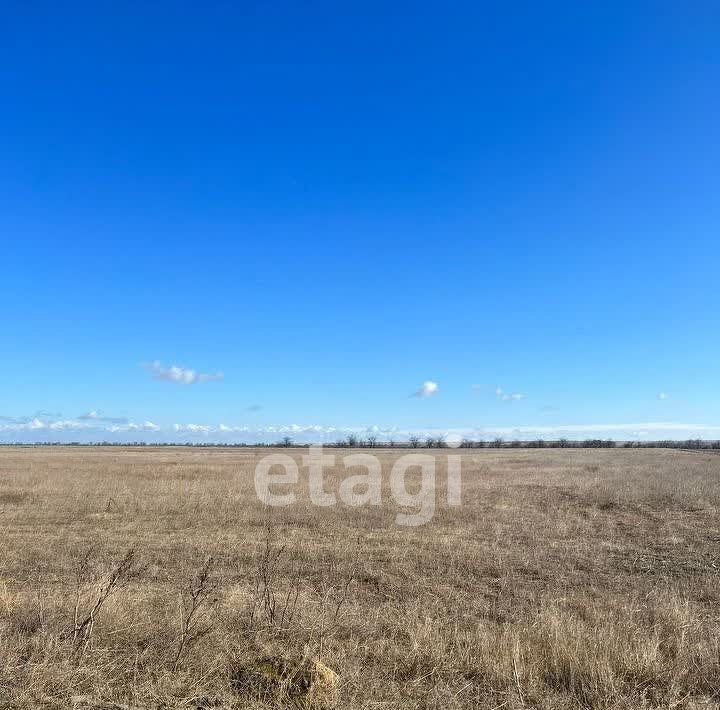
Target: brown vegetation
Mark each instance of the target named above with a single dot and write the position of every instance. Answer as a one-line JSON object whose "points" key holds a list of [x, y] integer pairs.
{"points": [[154, 578]]}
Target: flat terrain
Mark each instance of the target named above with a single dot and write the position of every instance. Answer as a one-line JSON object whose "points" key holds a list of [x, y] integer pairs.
{"points": [[566, 579]]}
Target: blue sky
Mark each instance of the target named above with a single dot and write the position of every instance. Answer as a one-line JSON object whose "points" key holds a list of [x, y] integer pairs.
{"points": [[320, 207]]}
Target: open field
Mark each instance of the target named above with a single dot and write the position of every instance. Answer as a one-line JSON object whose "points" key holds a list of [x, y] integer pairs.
{"points": [[567, 578]]}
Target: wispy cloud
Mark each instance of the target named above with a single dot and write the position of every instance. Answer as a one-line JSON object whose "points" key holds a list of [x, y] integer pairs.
{"points": [[499, 392], [663, 395], [179, 375], [508, 396], [93, 430], [12, 420], [40, 414], [145, 426], [426, 389], [97, 416], [199, 428]]}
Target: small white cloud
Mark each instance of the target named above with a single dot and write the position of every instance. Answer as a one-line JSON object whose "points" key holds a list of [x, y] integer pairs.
{"points": [[95, 416], [194, 428], [179, 375], [65, 425], [663, 395], [508, 396], [427, 389]]}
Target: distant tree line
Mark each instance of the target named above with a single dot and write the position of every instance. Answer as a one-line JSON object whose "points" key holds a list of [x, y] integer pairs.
{"points": [[354, 441], [439, 442]]}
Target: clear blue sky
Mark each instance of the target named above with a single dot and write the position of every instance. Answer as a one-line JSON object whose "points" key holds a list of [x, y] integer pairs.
{"points": [[333, 203]]}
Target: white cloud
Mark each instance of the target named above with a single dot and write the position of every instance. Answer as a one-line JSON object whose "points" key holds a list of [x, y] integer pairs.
{"points": [[65, 425], [132, 426], [427, 389], [66, 430], [179, 375], [508, 396], [195, 428], [96, 416], [618, 431], [663, 395]]}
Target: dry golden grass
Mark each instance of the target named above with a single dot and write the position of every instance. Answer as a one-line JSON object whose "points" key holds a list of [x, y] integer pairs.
{"points": [[567, 579]]}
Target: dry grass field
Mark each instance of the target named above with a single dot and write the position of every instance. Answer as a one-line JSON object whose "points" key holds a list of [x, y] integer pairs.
{"points": [[567, 579]]}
